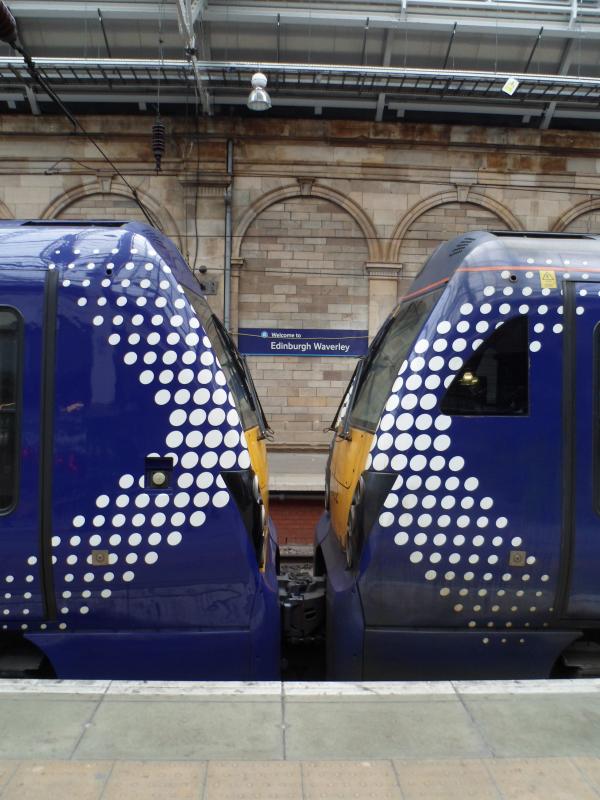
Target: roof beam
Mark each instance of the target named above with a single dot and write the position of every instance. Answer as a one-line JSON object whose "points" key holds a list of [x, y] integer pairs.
{"points": [[441, 18], [566, 60], [187, 13], [386, 59], [186, 23], [493, 17], [32, 100], [63, 8]]}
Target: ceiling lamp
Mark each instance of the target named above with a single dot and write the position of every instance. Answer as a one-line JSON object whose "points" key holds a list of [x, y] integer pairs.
{"points": [[259, 99]]}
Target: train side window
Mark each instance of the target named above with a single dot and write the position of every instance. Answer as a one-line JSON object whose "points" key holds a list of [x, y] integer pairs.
{"points": [[495, 380], [10, 347]]}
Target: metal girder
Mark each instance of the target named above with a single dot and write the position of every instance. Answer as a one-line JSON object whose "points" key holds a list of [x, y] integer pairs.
{"points": [[33, 103], [565, 63], [387, 57], [502, 17], [310, 85], [67, 10], [186, 23], [319, 78], [474, 17], [433, 107], [424, 106], [187, 12]]}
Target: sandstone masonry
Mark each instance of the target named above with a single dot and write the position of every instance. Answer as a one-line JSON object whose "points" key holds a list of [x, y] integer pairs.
{"points": [[331, 219]]}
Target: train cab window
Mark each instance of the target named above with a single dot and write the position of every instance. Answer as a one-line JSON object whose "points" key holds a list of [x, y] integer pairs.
{"points": [[239, 380], [10, 345], [386, 354], [495, 380]]}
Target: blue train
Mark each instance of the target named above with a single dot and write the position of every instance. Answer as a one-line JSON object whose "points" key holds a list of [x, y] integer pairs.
{"points": [[463, 485], [134, 528]]}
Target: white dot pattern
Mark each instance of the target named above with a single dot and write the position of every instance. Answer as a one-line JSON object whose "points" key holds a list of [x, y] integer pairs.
{"points": [[425, 525], [134, 525]]}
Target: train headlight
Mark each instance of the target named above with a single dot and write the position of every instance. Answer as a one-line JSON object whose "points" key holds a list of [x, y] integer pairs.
{"points": [[256, 489]]}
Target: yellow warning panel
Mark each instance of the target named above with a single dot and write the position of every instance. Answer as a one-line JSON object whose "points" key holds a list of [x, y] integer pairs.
{"points": [[548, 279]]}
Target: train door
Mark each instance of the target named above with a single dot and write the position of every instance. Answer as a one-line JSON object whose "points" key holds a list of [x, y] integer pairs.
{"points": [[25, 346], [581, 544]]}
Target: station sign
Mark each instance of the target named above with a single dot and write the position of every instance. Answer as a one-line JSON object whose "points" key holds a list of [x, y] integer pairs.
{"points": [[306, 342]]}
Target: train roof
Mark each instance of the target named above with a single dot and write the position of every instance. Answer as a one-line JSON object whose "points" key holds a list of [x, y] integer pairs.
{"points": [[39, 243], [506, 249]]}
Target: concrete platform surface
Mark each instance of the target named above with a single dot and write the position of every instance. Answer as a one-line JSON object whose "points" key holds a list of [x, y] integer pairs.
{"points": [[297, 472], [111, 739]]}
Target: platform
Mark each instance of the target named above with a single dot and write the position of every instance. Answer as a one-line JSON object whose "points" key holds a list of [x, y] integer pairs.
{"points": [[297, 472], [409, 741]]}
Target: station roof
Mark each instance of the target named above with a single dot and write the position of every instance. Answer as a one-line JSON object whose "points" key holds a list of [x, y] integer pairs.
{"points": [[425, 60]]}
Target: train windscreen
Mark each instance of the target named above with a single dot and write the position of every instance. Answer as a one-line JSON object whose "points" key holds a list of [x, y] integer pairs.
{"points": [[238, 380], [387, 352]]}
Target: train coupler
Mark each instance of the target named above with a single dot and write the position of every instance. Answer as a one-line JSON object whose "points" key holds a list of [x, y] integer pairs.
{"points": [[302, 601]]}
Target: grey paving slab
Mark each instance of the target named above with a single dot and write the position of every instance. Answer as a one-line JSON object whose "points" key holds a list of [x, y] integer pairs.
{"points": [[165, 780], [341, 780], [57, 780], [160, 730], [446, 780], [378, 729], [263, 780], [538, 725], [540, 779], [42, 726]]}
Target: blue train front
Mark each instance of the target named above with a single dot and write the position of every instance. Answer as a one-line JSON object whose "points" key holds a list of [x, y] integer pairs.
{"points": [[462, 537], [134, 534]]}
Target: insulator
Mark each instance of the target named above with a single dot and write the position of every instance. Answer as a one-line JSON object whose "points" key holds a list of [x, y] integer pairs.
{"points": [[8, 26], [159, 141]]}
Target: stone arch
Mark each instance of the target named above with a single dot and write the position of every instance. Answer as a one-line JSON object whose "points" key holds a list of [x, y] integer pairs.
{"points": [[456, 195], [302, 267], [587, 208], [110, 188], [308, 188]]}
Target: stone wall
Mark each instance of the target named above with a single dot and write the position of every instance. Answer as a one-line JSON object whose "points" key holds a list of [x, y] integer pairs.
{"points": [[304, 267], [331, 219]]}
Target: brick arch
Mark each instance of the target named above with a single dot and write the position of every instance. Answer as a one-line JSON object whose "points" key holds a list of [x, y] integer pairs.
{"points": [[442, 199], [162, 219], [572, 214], [362, 219]]}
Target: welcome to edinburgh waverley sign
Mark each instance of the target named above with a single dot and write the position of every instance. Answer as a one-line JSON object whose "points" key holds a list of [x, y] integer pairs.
{"points": [[307, 342]]}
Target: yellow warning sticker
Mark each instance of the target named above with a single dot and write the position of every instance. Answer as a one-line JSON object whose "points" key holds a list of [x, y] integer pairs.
{"points": [[548, 279]]}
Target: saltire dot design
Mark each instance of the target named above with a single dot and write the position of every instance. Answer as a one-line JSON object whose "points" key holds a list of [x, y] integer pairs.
{"points": [[438, 512], [142, 313]]}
